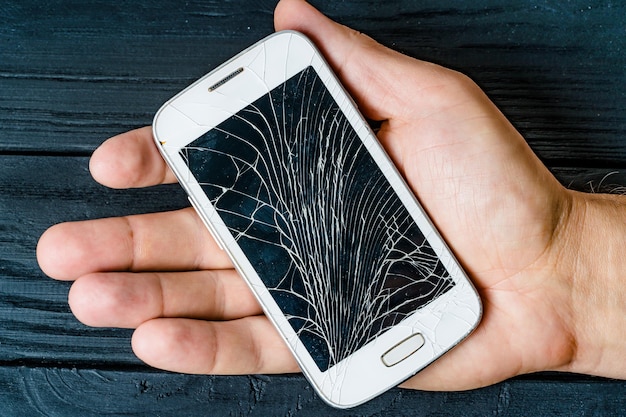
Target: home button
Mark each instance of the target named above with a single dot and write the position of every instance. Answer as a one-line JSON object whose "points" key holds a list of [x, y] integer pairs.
{"points": [[403, 350]]}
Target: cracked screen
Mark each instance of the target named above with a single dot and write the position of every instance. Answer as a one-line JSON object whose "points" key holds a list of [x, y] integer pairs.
{"points": [[317, 219]]}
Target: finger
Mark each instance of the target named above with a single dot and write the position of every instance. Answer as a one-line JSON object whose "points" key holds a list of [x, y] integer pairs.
{"points": [[374, 75], [245, 346], [172, 241], [130, 160], [130, 299]]}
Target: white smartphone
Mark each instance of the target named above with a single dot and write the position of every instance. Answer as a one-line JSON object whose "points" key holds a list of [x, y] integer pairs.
{"points": [[295, 187]]}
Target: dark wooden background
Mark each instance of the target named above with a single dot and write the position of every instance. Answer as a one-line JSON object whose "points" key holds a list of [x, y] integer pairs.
{"points": [[73, 73]]}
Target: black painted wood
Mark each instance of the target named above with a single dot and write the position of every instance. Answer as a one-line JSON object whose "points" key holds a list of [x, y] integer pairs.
{"points": [[89, 392], [73, 73]]}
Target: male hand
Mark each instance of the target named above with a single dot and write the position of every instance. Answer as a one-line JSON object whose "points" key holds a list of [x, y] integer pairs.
{"points": [[506, 218]]}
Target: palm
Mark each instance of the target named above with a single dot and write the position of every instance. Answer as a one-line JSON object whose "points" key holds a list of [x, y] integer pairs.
{"points": [[493, 202], [484, 189]]}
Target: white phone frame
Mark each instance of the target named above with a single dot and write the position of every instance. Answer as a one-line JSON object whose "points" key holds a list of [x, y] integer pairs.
{"points": [[443, 323]]}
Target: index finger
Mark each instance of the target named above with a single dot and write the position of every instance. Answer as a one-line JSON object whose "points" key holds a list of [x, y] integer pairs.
{"points": [[130, 160]]}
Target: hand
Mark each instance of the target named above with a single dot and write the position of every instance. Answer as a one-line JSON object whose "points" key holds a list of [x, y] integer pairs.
{"points": [[509, 222]]}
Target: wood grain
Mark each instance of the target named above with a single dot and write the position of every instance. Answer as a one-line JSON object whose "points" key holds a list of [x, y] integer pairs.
{"points": [[74, 73], [89, 392]]}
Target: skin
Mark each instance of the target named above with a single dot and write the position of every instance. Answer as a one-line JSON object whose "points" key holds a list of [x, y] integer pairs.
{"points": [[545, 260]]}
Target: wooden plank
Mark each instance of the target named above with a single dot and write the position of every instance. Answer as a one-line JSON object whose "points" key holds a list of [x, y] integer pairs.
{"points": [[38, 191], [72, 76], [93, 392], [38, 329]]}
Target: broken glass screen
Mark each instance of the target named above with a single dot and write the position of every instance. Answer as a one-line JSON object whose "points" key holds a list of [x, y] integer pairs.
{"points": [[316, 218]]}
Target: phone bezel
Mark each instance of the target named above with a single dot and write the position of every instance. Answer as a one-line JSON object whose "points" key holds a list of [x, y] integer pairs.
{"points": [[443, 323]]}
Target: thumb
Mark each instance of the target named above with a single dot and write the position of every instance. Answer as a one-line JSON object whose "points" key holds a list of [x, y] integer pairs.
{"points": [[368, 70]]}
